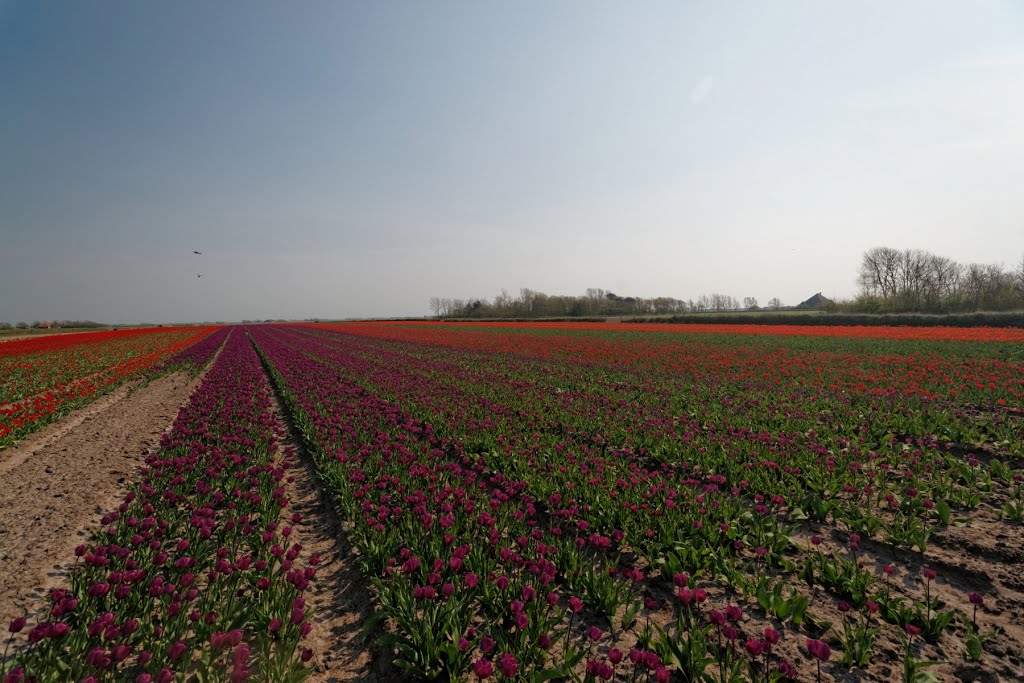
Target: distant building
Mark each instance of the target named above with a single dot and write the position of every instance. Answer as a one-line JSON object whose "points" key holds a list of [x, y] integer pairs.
{"points": [[816, 302]]}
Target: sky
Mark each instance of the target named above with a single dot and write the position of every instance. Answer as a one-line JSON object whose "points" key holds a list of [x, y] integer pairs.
{"points": [[342, 159]]}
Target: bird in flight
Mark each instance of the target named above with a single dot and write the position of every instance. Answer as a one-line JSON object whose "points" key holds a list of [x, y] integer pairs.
{"points": [[200, 275], [197, 252]]}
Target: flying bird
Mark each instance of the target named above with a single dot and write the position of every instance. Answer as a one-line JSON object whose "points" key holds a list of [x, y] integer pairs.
{"points": [[197, 252], [200, 275]]}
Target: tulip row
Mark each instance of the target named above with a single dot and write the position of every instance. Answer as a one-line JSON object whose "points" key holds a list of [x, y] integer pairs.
{"points": [[474, 573], [45, 377], [937, 333], [554, 458], [628, 429], [195, 357], [194, 576]]}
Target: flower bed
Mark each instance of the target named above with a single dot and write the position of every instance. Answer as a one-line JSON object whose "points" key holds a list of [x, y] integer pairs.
{"points": [[193, 574]]}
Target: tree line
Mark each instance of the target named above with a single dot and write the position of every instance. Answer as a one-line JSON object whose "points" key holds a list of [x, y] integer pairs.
{"points": [[888, 280], [595, 302], [42, 325], [914, 280]]}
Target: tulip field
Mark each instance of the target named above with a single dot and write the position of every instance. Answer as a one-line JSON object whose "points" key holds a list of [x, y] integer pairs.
{"points": [[42, 378], [567, 502]]}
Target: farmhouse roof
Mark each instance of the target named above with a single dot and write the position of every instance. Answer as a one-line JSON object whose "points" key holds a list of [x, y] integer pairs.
{"points": [[817, 301]]}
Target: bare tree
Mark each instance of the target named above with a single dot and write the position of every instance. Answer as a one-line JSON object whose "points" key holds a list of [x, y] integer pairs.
{"points": [[447, 307], [915, 280], [879, 272], [526, 299], [943, 281], [666, 304], [503, 302], [775, 303]]}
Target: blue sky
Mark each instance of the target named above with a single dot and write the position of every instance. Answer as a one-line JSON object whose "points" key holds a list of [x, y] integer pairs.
{"points": [[336, 159]]}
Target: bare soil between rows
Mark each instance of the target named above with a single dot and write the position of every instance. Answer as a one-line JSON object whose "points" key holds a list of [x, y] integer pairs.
{"points": [[60, 480], [339, 594], [984, 557]]}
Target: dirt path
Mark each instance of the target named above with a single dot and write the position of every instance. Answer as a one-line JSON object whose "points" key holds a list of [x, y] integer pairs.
{"points": [[57, 481], [338, 594]]}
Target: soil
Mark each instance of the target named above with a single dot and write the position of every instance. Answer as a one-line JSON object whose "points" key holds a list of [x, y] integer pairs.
{"points": [[984, 557], [58, 481], [341, 601]]}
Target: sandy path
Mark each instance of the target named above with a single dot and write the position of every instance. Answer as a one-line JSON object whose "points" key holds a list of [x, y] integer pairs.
{"points": [[60, 479]]}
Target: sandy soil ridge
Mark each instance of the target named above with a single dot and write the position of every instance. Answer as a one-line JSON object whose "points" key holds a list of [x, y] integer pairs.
{"points": [[339, 595], [60, 479]]}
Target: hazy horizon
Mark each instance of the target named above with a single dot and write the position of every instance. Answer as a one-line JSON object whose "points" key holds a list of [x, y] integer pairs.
{"points": [[337, 160]]}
